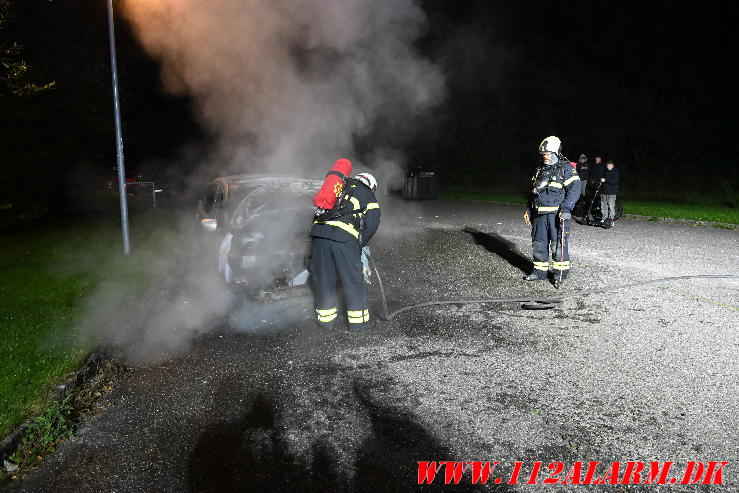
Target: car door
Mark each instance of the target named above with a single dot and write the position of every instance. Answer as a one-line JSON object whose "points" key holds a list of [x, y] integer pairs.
{"points": [[212, 207], [211, 203]]}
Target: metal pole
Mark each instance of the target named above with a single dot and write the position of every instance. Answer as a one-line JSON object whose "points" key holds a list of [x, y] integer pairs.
{"points": [[118, 133]]}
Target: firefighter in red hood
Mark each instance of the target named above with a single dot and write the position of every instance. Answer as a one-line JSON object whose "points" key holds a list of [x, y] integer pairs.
{"points": [[337, 238]]}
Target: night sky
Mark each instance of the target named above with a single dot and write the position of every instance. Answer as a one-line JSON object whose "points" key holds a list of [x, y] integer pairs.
{"points": [[649, 84]]}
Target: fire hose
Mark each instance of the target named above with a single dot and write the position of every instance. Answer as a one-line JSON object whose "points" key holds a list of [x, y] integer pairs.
{"points": [[531, 302]]}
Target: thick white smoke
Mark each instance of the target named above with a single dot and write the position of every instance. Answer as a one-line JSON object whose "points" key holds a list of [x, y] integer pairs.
{"points": [[284, 86], [287, 85]]}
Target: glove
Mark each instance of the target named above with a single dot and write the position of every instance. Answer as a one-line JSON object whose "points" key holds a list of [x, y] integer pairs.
{"points": [[565, 215], [367, 274], [527, 217]]}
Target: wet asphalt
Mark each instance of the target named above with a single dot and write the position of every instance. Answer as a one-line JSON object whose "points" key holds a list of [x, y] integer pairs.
{"points": [[643, 373]]}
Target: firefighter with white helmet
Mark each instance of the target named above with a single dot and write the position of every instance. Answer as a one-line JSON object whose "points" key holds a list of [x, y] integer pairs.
{"points": [[368, 180], [338, 239], [556, 188]]}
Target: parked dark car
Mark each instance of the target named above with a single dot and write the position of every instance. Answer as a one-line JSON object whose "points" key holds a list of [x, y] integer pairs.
{"points": [[262, 223]]}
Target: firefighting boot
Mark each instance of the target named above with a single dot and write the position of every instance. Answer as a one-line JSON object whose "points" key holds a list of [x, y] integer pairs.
{"points": [[559, 278], [328, 326], [536, 276], [362, 327], [539, 272]]}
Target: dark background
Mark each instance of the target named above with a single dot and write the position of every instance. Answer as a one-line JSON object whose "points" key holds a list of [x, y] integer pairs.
{"points": [[651, 85]]}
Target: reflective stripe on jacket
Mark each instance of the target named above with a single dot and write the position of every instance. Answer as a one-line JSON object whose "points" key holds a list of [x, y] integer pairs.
{"points": [[359, 224], [560, 190]]}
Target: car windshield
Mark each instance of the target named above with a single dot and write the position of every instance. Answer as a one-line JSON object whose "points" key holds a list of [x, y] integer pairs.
{"points": [[271, 204]]}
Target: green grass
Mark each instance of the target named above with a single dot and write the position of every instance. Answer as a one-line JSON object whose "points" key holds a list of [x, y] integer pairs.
{"points": [[710, 211], [45, 275], [53, 425], [718, 213]]}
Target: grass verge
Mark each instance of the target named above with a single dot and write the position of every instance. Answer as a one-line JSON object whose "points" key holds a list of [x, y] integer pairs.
{"points": [[699, 211], [59, 419], [45, 275], [718, 213]]}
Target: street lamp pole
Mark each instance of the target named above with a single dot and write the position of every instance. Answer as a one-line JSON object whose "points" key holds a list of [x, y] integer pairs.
{"points": [[118, 133]]}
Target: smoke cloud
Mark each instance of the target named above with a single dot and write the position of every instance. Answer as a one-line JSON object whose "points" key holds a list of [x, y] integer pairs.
{"points": [[283, 87], [289, 85]]}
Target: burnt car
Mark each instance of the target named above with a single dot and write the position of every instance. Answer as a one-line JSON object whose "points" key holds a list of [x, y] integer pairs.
{"points": [[262, 224]]}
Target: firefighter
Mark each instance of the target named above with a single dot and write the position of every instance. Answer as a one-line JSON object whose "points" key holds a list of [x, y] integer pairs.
{"points": [[337, 240], [556, 188]]}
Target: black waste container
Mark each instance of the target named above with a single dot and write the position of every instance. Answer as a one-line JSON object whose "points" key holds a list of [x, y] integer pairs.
{"points": [[420, 184]]}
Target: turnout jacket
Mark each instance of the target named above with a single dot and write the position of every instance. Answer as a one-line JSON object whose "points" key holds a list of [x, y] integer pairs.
{"points": [[360, 219], [554, 187]]}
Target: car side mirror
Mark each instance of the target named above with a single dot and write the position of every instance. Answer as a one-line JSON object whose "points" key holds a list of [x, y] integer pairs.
{"points": [[209, 224]]}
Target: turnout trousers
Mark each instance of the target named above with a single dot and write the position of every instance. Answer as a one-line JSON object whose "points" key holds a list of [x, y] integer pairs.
{"points": [[546, 237], [331, 260]]}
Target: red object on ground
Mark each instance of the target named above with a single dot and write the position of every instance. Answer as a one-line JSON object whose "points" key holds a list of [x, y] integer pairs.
{"points": [[332, 185]]}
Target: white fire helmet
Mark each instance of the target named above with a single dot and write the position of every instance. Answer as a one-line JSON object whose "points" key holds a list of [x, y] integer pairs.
{"points": [[550, 144], [368, 180]]}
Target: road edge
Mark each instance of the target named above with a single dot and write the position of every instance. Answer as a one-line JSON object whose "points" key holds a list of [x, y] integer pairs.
{"points": [[74, 380]]}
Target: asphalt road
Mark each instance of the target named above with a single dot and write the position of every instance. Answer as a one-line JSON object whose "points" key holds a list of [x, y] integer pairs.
{"points": [[647, 373]]}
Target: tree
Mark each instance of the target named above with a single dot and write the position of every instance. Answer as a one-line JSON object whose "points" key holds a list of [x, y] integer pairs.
{"points": [[13, 69]]}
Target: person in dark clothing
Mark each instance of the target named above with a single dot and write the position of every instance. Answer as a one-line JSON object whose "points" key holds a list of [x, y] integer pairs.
{"points": [[609, 189], [337, 240], [597, 170], [582, 172], [556, 188]]}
